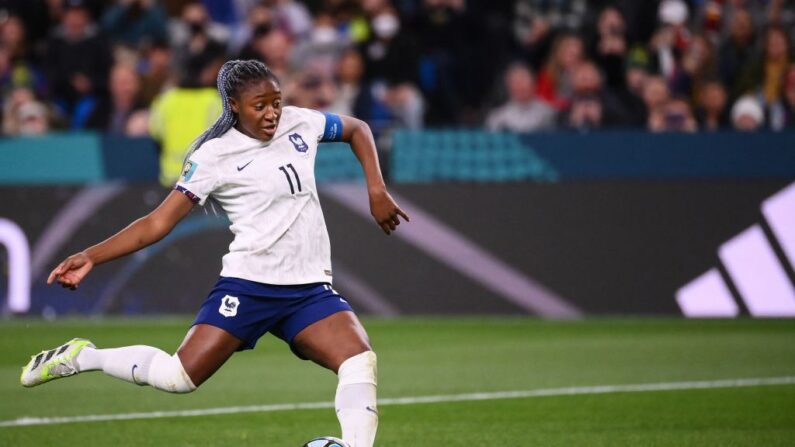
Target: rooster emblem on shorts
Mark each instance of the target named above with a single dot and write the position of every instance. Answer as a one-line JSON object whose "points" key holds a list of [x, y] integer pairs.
{"points": [[229, 306]]}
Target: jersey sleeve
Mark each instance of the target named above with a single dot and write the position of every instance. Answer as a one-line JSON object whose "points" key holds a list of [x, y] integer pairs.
{"points": [[327, 126], [199, 177], [332, 128]]}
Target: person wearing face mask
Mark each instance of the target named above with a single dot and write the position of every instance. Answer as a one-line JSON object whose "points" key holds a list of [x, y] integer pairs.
{"points": [[391, 70], [195, 35], [390, 54], [201, 43]]}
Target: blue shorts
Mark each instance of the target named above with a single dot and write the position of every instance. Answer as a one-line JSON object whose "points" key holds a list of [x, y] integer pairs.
{"points": [[248, 309]]}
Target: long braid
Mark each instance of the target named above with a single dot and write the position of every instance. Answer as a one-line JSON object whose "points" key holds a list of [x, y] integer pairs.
{"points": [[233, 75]]}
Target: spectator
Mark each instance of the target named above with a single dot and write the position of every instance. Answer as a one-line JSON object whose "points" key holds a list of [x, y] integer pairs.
{"points": [[554, 80], [181, 114], [371, 8], [33, 119], [672, 38], [414, 60], [131, 21], [655, 95], [709, 16], [313, 90], [592, 106], [609, 46], [275, 49], [78, 60], [712, 111], [322, 49], [391, 70], [13, 36], [112, 114], [157, 68], [631, 94], [294, 17], [787, 119], [767, 72], [697, 65], [350, 21], [747, 114], [24, 115], [737, 50], [391, 54], [523, 112], [16, 68], [405, 103], [197, 39], [537, 21], [259, 21], [674, 115], [350, 91], [641, 18], [782, 13], [358, 98], [446, 38], [195, 20]]}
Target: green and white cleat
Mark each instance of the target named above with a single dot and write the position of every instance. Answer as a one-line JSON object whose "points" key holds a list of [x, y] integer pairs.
{"points": [[53, 364]]}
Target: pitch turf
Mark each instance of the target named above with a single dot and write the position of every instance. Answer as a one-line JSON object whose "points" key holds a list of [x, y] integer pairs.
{"points": [[436, 357]]}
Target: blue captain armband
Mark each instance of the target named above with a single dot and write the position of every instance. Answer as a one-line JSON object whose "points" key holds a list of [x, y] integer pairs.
{"points": [[333, 129]]}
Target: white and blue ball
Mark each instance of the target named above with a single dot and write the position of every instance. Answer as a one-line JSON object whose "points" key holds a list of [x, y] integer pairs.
{"points": [[326, 441]]}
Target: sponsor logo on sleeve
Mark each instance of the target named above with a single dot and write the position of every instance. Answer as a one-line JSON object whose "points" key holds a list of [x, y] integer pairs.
{"points": [[188, 170]]}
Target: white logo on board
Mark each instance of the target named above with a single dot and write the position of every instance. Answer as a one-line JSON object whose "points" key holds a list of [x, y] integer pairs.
{"points": [[752, 265]]}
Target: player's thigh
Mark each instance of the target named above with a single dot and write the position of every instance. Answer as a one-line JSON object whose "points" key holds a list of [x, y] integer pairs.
{"points": [[332, 340], [205, 349]]}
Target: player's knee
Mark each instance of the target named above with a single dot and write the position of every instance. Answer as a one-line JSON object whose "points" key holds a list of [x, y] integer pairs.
{"points": [[360, 368], [167, 373]]}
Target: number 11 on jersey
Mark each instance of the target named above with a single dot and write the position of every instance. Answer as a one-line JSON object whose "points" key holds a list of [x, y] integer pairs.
{"points": [[290, 180]]}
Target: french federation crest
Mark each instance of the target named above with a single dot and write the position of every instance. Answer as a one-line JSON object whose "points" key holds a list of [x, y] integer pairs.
{"points": [[298, 142], [229, 305]]}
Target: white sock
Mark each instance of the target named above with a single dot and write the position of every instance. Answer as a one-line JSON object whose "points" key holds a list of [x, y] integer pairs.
{"points": [[355, 401], [142, 365]]}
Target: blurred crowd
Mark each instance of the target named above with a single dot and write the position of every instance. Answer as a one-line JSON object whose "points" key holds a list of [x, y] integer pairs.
{"points": [[148, 67]]}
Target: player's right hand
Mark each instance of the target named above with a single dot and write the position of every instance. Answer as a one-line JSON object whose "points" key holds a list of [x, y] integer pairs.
{"points": [[71, 271]]}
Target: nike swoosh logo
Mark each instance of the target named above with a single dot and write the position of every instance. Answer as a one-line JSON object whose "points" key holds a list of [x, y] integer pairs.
{"points": [[133, 374], [371, 409], [240, 168]]}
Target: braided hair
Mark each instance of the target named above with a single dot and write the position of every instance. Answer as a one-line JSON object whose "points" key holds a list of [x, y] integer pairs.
{"points": [[231, 78]]}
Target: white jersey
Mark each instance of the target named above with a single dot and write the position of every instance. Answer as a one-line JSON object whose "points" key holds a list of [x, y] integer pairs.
{"points": [[268, 191]]}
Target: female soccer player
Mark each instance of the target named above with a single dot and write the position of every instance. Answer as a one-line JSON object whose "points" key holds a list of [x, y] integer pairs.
{"points": [[257, 163]]}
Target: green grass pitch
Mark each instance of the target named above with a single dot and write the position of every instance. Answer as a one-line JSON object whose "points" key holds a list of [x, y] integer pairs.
{"points": [[422, 357]]}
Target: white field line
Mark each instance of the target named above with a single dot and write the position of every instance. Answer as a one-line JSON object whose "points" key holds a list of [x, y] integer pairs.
{"points": [[570, 391]]}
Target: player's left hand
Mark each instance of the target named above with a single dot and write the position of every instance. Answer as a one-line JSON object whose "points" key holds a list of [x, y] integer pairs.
{"points": [[385, 211]]}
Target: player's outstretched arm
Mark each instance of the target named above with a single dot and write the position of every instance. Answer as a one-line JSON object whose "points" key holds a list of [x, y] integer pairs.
{"points": [[383, 208], [139, 234]]}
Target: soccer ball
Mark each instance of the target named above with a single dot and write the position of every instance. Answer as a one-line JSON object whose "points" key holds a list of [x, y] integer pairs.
{"points": [[326, 441]]}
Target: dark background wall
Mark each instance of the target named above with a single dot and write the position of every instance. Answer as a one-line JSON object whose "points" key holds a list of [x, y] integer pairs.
{"points": [[620, 247]]}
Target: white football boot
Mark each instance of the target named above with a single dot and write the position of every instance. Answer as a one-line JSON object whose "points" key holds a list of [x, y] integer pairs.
{"points": [[54, 363]]}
